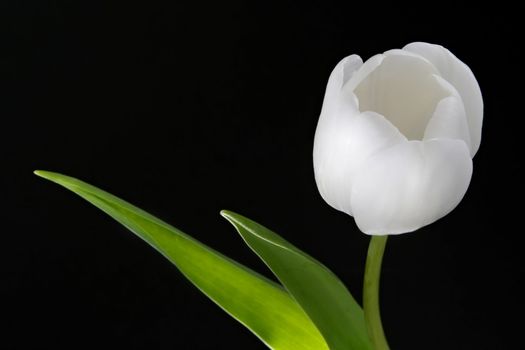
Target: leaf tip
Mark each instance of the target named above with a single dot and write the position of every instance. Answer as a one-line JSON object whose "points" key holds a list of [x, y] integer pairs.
{"points": [[225, 213], [42, 173], [232, 217], [57, 178], [228, 215]]}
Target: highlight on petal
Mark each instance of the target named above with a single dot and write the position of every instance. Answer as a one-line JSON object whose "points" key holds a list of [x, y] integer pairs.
{"points": [[341, 148], [461, 77], [410, 185]]}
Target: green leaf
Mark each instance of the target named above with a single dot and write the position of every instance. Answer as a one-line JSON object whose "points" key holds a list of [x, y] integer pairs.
{"points": [[319, 292], [261, 305]]}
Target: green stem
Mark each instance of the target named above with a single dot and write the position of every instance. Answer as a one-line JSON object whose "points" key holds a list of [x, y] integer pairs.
{"points": [[371, 292]]}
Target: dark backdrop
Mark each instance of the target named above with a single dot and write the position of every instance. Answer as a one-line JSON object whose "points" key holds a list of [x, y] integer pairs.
{"points": [[186, 108]]}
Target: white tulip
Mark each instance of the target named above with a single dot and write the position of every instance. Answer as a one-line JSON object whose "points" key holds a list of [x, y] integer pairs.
{"points": [[396, 136]]}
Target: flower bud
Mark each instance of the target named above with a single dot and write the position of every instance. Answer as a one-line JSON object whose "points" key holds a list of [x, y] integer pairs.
{"points": [[396, 136]]}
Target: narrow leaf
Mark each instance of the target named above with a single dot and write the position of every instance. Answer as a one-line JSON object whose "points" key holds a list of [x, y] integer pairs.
{"points": [[261, 305], [319, 292]]}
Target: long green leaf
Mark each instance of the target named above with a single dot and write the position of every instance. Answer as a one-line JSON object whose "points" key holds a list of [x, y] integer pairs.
{"points": [[319, 292], [261, 305]]}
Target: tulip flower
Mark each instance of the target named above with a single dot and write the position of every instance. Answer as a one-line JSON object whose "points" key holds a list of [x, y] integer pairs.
{"points": [[396, 136]]}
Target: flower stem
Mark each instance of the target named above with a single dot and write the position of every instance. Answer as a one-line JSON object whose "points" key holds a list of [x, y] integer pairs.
{"points": [[371, 292]]}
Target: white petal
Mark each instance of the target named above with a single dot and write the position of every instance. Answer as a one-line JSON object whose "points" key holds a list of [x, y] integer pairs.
{"points": [[334, 111], [368, 67], [459, 75], [340, 149], [410, 185], [342, 72], [449, 119]]}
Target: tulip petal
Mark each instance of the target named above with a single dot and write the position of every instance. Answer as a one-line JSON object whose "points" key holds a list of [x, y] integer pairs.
{"points": [[341, 148], [363, 72], [459, 75], [449, 119], [342, 72], [410, 185]]}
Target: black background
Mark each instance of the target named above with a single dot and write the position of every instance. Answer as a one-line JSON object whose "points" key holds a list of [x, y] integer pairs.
{"points": [[186, 108]]}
